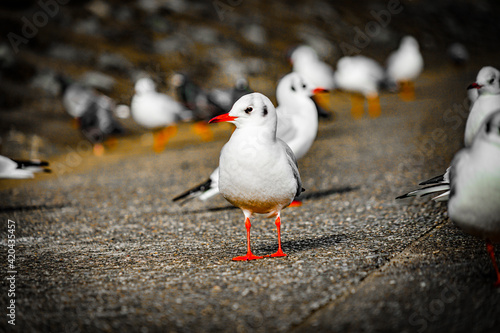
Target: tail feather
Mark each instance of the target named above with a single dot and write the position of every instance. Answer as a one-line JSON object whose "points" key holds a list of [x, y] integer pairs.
{"points": [[434, 180], [33, 165], [440, 187], [194, 192]]}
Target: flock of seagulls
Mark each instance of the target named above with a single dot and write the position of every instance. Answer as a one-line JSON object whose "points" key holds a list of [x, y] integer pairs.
{"points": [[258, 169]]}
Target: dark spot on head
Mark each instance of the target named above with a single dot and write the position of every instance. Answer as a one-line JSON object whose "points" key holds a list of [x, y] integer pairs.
{"points": [[248, 110], [264, 112], [293, 88], [488, 126]]}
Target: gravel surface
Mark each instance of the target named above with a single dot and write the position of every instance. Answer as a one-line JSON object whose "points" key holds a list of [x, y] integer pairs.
{"points": [[100, 245]]}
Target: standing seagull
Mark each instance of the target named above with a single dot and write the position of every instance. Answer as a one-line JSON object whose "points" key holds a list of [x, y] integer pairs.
{"points": [[297, 126], [486, 103], [156, 111], [404, 65], [307, 64], [258, 172], [474, 203], [361, 75], [473, 184]]}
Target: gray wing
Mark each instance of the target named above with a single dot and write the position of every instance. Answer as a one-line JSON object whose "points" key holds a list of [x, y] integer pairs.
{"points": [[456, 163], [292, 161]]}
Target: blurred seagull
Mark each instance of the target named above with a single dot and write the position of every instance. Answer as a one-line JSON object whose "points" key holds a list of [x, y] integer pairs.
{"points": [[297, 126], [224, 99], [458, 54], [156, 111], [306, 63], [92, 113], [404, 65], [258, 172], [204, 104], [98, 124], [361, 75], [20, 169]]}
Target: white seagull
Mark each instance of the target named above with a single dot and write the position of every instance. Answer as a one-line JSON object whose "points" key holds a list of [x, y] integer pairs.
{"points": [[488, 102], [258, 172], [297, 126], [156, 111], [474, 203], [306, 63], [473, 181], [404, 65], [487, 86], [361, 75], [17, 169]]}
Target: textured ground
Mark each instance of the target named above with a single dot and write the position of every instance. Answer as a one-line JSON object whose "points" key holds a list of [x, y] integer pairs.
{"points": [[101, 247]]}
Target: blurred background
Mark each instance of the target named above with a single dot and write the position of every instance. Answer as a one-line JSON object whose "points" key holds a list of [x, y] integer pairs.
{"points": [[109, 44]]}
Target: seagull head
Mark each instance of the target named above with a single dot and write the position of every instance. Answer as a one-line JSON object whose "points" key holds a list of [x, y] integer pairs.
{"points": [[144, 85], [409, 42], [303, 53], [250, 110], [487, 81], [293, 85]]}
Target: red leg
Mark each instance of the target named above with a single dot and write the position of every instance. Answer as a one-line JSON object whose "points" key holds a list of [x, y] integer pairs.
{"points": [[278, 253], [249, 255], [295, 203], [491, 251]]}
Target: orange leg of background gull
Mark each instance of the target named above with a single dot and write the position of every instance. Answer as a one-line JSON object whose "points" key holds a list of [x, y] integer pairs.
{"points": [[491, 251], [278, 253], [160, 139], [249, 255], [323, 99], [202, 129], [98, 149], [407, 91], [295, 203], [357, 105], [373, 105]]}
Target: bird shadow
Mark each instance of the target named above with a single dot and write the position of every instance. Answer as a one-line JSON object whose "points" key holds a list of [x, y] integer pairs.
{"points": [[305, 196], [300, 245], [30, 208], [324, 193]]}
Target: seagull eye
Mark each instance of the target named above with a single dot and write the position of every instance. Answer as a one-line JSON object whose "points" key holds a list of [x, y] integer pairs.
{"points": [[248, 109], [304, 85], [293, 88], [491, 80]]}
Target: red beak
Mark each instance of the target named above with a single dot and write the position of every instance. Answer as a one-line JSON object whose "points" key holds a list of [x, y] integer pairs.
{"points": [[319, 91], [221, 118], [474, 86]]}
